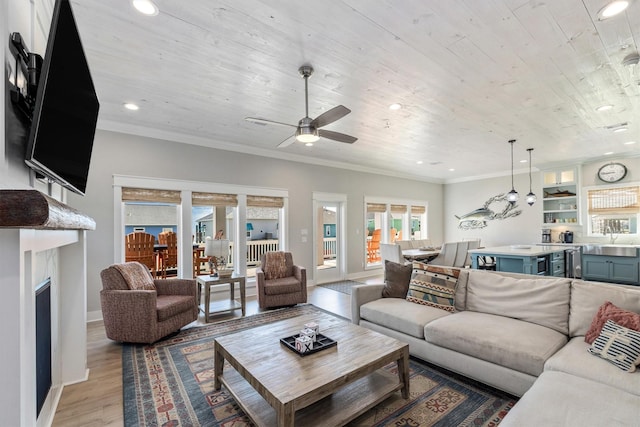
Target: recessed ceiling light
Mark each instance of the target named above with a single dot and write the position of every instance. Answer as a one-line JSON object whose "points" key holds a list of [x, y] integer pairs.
{"points": [[146, 7], [629, 143], [612, 9], [131, 106], [605, 107], [523, 161], [608, 153], [395, 106], [451, 169], [308, 144], [419, 162], [620, 130]]}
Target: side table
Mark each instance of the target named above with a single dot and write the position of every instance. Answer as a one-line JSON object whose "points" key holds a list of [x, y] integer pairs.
{"points": [[209, 308]]}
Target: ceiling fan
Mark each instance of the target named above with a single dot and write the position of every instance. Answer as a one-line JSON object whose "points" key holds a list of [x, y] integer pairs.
{"points": [[308, 129]]}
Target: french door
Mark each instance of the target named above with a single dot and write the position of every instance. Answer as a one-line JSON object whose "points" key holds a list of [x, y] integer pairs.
{"points": [[329, 247]]}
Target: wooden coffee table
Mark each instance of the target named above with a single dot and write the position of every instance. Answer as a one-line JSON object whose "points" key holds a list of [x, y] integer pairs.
{"points": [[275, 386]]}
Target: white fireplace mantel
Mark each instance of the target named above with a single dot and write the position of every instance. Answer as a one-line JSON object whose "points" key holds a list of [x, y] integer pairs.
{"points": [[31, 253]]}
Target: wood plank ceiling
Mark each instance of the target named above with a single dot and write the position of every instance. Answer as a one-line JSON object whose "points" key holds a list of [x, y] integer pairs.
{"points": [[469, 74]]}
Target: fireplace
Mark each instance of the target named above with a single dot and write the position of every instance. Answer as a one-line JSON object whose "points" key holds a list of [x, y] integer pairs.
{"points": [[43, 343]]}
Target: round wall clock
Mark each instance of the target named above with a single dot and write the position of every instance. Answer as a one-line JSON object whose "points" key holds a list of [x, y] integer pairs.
{"points": [[612, 172]]}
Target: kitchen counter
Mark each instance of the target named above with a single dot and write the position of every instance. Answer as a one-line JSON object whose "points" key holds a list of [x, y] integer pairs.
{"points": [[520, 250], [527, 259]]}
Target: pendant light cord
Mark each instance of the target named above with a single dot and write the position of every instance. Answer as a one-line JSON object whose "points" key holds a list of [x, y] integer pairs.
{"points": [[511, 142], [530, 150]]}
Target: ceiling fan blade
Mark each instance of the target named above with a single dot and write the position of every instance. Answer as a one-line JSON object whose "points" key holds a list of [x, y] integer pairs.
{"points": [[337, 136], [287, 142], [267, 122], [330, 116]]}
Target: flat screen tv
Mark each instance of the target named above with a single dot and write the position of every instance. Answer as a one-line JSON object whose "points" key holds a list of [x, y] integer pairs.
{"points": [[66, 107]]}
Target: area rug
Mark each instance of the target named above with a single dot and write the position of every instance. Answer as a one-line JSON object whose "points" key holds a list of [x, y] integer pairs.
{"points": [[170, 383], [343, 286]]}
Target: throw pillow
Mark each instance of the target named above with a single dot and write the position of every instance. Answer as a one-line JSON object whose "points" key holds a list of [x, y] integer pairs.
{"points": [[433, 285], [396, 279], [608, 311], [618, 345], [137, 276], [276, 265]]}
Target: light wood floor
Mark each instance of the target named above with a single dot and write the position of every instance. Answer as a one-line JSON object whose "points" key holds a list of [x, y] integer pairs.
{"points": [[98, 401]]}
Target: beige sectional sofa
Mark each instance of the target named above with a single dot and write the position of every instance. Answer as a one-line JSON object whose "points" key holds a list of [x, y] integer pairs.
{"points": [[519, 333]]}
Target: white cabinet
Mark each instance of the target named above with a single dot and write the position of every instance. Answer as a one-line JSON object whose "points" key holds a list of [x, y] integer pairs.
{"points": [[560, 199]]}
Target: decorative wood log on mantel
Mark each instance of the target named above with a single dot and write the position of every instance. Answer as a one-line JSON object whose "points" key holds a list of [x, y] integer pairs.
{"points": [[33, 209]]}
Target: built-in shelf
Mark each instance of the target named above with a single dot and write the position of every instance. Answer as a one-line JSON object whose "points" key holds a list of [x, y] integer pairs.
{"points": [[33, 209]]}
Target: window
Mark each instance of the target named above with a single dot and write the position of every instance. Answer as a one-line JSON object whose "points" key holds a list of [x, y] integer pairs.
{"points": [[613, 210], [388, 221]]}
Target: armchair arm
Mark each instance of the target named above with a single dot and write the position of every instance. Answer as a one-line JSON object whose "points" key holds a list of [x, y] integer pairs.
{"points": [[259, 276], [176, 286], [300, 273], [362, 294]]}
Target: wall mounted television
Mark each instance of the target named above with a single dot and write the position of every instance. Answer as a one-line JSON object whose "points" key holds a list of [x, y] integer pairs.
{"points": [[66, 107]]}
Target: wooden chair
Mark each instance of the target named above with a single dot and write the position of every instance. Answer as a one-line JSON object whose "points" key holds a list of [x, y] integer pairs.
{"points": [[169, 257], [373, 246], [198, 260], [139, 247]]}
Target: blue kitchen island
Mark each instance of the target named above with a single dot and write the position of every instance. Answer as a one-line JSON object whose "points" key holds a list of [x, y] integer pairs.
{"points": [[528, 259]]}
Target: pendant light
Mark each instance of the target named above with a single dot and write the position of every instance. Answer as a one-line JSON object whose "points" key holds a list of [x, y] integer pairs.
{"points": [[512, 196], [531, 198]]}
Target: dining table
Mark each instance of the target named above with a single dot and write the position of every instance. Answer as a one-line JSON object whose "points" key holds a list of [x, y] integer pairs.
{"points": [[426, 254]]}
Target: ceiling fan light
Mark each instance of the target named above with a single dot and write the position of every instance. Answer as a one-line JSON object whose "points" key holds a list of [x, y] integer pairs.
{"points": [[146, 7], [307, 135], [612, 9]]}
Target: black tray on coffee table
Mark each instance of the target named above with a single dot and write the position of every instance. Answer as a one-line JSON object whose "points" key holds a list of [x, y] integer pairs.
{"points": [[322, 342]]}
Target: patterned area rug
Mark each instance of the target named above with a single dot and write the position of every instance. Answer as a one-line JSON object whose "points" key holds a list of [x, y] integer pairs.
{"points": [[170, 383], [343, 286]]}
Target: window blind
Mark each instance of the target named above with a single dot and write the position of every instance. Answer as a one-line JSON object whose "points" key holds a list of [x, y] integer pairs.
{"points": [[265, 201], [401, 209], [376, 207], [213, 199], [418, 210], [150, 195], [614, 200]]}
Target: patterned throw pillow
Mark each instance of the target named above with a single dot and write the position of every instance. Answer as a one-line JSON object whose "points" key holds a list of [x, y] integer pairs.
{"points": [[433, 285], [136, 275], [608, 311], [618, 345], [276, 265]]}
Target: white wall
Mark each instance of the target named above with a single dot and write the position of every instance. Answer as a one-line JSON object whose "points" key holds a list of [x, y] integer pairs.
{"points": [[464, 197], [121, 154]]}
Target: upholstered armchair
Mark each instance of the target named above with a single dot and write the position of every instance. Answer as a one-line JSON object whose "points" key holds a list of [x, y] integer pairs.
{"points": [[136, 308], [279, 281]]}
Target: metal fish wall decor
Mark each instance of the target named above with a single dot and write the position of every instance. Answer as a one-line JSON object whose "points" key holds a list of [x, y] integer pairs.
{"points": [[478, 218]]}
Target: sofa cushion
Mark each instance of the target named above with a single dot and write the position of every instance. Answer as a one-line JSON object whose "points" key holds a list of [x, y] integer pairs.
{"points": [[284, 285], [168, 306], [574, 359], [608, 311], [560, 399], [543, 301], [396, 279], [433, 285], [587, 297], [512, 343], [136, 276], [400, 315], [618, 345]]}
